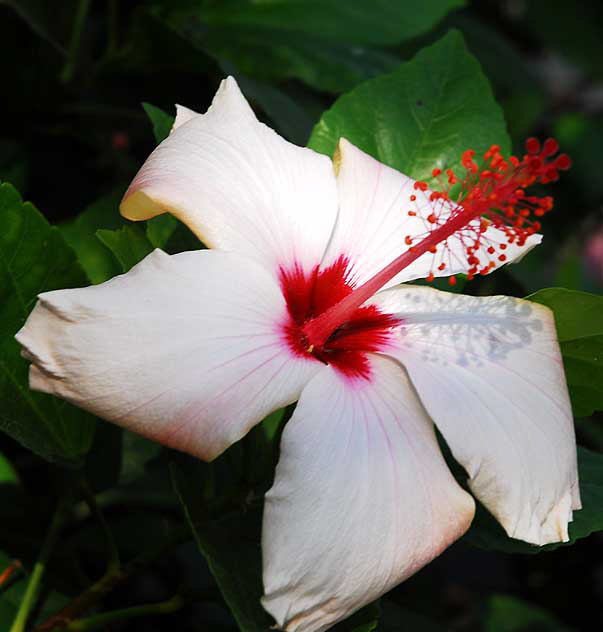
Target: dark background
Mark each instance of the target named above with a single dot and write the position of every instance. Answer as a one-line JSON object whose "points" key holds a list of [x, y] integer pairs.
{"points": [[73, 131]]}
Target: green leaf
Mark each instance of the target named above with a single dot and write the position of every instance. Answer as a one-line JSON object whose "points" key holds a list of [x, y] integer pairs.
{"points": [[34, 258], [579, 321], [508, 614], [167, 233], [326, 43], [162, 121], [137, 452], [231, 547], [160, 229], [486, 533], [422, 115], [7, 471], [96, 259], [129, 244], [382, 22]]}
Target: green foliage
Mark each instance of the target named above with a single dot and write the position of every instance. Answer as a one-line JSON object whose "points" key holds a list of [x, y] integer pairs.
{"points": [[486, 533], [12, 594], [329, 45], [384, 22], [422, 115], [34, 258], [94, 257], [508, 614], [162, 121], [77, 72], [129, 244], [231, 547], [7, 471], [579, 321]]}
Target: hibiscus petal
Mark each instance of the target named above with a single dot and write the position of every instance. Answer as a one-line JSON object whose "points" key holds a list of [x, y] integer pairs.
{"points": [[362, 498], [183, 115], [489, 372], [373, 222], [185, 350], [238, 185]]}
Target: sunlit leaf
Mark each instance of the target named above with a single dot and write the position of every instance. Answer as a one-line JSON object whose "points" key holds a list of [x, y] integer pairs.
{"points": [[422, 115]]}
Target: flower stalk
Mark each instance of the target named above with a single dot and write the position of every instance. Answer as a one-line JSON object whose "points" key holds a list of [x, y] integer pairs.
{"points": [[31, 592]]}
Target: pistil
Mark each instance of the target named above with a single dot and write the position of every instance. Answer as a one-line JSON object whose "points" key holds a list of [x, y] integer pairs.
{"points": [[318, 330], [491, 196]]}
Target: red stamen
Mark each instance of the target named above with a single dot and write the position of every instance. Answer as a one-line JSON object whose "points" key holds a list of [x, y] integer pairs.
{"points": [[496, 194]]}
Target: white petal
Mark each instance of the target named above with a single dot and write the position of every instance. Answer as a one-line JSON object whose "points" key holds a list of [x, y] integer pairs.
{"points": [[239, 186], [183, 115], [185, 350], [362, 498], [373, 222], [489, 372]]}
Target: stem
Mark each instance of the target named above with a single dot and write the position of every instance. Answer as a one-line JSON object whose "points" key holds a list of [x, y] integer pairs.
{"points": [[318, 330], [31, 592], [163, 607], [109, 581], [81, 12]]}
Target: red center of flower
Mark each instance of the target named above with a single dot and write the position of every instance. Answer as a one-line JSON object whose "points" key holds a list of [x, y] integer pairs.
{"points": [[309, 295]]}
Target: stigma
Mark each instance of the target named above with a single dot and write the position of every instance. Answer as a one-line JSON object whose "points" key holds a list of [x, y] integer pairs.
{"points": [[491, 194]]}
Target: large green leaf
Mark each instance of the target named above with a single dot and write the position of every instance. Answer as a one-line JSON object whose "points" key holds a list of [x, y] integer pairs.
{"points": [[380, 22], [422, 115], [328, 44], [486, 533], [34, 258], [579, 320]]}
